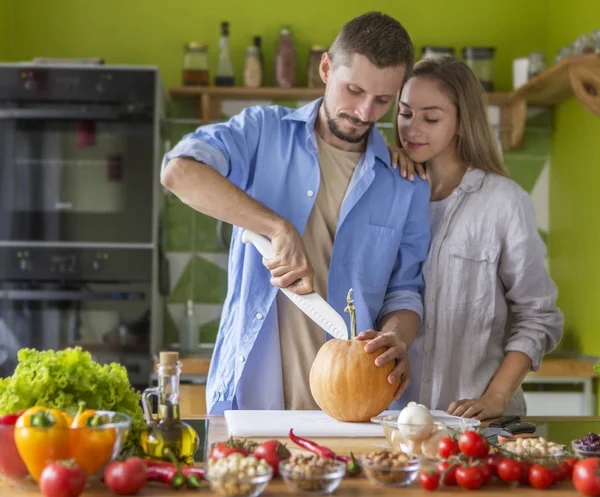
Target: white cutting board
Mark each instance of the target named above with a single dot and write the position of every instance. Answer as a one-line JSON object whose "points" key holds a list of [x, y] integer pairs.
{"points": [[305, 424]]}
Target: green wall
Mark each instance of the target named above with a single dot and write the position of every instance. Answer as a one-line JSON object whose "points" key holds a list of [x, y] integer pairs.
{"points": [[575, 202], [4, 30], [154, 32]]}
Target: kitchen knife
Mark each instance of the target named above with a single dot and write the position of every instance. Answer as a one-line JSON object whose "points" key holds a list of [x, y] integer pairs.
{"points": [[312, 304]]}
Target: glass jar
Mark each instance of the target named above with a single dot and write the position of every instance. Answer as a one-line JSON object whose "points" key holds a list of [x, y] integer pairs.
{"points": [[564, 53], [537, 63], [252, 68], [432, 51], [596, 40], [314, 62], [584, 45], [480, 60], [195, 65], [285, 61]]}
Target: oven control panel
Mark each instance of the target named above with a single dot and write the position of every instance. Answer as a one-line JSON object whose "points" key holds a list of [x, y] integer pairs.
{"points": [[83, 84], [81, 264]]}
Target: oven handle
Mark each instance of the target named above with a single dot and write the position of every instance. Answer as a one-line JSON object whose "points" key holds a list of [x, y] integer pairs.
{"points": [[67, 295], [96, 114]]}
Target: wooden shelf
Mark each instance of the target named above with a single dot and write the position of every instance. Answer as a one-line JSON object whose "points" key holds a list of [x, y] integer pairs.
{"points": [[578, 75]]}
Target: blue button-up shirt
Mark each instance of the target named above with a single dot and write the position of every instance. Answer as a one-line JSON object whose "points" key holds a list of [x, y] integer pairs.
{"points": [[381, 241]]}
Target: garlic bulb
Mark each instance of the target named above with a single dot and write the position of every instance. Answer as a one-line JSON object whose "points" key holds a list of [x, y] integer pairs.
{"points": [[415, 422]]}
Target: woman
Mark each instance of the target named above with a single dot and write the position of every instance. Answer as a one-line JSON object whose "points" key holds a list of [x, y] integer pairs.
{"points": [[490, 306]]}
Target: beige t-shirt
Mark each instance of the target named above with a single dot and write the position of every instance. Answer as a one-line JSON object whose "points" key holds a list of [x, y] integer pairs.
{"points": [[299, 336]]}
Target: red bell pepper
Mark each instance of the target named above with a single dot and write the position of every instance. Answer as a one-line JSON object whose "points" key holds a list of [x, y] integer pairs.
{"points": [[11, 464]]}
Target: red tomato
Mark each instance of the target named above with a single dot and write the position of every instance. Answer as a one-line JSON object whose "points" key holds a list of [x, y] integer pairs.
{"points": [[447, 448], [525, 465], [429, 480], [492, 461], [450, 478], [223, 449], [510, 470], [540, 476], [586, 476], [272, 451], [125, 477], [469, 477], [472, 444], [487, 473], [564, 469], [62, 479]]}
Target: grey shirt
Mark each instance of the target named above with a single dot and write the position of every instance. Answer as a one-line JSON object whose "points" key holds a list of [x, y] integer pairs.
{"points": [[487, 292]]}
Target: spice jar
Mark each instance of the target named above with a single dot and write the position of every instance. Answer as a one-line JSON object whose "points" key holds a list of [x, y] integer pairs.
{"points": [[480, 60], [314, 62], [285, 62], [195, 65], [584, 45], [252, 68], [537, 63], [432, 51]]}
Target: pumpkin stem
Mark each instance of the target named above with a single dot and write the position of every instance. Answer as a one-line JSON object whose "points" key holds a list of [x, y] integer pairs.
{"points": [[352, 310]]}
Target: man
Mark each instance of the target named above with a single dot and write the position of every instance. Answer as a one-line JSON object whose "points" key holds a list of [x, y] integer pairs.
{"points": [[317, 182]]}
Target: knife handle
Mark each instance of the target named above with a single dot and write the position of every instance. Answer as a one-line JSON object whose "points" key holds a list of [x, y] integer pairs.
{"points": [[504, 421], [262, 244]]}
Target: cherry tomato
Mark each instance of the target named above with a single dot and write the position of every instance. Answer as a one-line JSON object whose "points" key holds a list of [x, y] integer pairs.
{"points": [[540, 476], [492, 461], [563, 471], [62, 479], [447, 448], [429, 480], [272, 451], [223, 449], [510, 470], [126, 477], [472, 444], [487, 473], [586, 476], [469, 477], [450, 478]]}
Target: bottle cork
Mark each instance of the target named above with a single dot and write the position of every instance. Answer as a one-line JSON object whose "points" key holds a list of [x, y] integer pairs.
{"points": [[169, 358]]}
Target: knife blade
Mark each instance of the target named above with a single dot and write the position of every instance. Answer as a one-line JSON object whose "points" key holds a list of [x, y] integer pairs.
{"points": [[312, 304]]}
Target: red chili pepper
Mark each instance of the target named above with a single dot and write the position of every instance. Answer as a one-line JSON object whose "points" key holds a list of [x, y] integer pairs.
{"points": [[353, 466], [311, 446], [166, 474], [194, 476]]}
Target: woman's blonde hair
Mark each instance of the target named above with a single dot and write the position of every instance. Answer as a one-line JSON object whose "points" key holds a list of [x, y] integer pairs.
{"points": [[476, 145]]}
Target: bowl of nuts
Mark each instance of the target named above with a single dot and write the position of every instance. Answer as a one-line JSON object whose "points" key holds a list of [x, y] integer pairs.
{"points": [[312, 474], [536, 449], [390, 468], [238, 476]]}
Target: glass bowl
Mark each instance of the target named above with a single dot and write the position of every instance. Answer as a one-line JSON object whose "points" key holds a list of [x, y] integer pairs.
{"points": [[421, 440], [579, 447], [234, 485], [91, 447], [299, 480], [389, 474], [536, 449]]}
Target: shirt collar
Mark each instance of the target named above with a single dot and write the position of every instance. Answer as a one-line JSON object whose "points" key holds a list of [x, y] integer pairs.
{"points": [[472, 180], [376, 146]]}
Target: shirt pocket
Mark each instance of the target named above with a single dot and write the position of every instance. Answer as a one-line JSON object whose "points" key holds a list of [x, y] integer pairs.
{"points": [[472, 273], [373, 255]]}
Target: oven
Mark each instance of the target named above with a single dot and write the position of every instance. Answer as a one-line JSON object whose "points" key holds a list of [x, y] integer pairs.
{"points": [[80, 256], [76, 154]]}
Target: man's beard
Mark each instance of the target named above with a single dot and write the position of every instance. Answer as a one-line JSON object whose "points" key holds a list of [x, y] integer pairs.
{"points": [[336, 131]]}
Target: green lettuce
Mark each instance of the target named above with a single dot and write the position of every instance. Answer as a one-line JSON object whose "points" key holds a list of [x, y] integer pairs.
{"points": [[63, 379]]}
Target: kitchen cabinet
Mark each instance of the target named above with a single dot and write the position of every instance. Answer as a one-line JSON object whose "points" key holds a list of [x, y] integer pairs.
{"points": [[192, 400]]}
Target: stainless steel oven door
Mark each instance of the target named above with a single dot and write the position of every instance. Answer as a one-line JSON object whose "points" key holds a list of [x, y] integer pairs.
{"points": [[76, 174]]}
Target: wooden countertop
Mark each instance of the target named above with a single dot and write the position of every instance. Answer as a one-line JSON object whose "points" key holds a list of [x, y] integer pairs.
{"points": [[550, 367], [350, 487]]}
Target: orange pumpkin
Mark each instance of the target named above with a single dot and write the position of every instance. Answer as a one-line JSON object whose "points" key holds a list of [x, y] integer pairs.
{"points": [[345, 382]]}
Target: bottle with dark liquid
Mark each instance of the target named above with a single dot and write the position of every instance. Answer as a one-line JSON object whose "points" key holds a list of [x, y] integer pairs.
{"points": [[166, 432], [225, 75], [195, 65]]}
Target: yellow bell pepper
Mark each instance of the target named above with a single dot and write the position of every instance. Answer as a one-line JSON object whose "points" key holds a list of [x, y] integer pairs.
{"points": [[91, 443], [42, 436]]}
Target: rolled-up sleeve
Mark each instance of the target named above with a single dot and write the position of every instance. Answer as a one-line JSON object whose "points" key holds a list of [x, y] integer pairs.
{"points": [[405, 289], [228, 147], [537, 326]]}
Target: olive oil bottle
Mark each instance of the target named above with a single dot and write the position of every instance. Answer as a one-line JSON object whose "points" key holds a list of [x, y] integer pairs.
{"points": [[166, 432]]}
